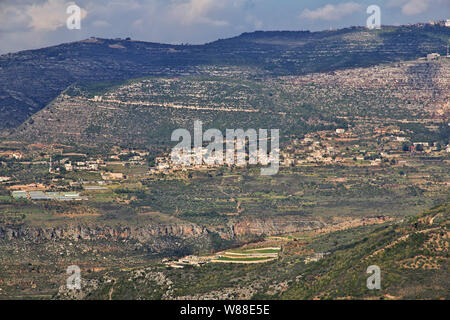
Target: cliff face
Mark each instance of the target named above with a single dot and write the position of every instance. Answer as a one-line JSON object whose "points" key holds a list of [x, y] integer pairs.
{"points": [[75, 232], [270, 227], [144, 233]]}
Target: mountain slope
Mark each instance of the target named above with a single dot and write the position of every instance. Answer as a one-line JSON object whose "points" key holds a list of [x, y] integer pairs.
{"points": [[412, 256], [145, 111], [29, 80]]}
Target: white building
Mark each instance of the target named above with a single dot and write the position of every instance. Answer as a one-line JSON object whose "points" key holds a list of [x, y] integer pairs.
{"points": [[433, 56]]}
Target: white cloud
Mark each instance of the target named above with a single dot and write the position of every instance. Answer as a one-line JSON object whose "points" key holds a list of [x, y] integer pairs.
{"points": [[414, 7], [101, 23], [49, 15], [12, 19], [197, 11], [332, 12], [252, 20]]}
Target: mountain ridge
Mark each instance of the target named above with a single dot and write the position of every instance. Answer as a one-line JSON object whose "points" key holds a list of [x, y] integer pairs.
{"points": [[23, 74]]}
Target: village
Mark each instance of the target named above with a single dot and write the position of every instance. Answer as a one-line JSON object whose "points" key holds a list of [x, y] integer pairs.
{"points": [[377, 135], [384, 146]]}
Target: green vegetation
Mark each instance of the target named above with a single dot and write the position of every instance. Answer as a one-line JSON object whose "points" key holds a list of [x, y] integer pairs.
{"points": [[243, 259], [412, 256], [341, 201]]}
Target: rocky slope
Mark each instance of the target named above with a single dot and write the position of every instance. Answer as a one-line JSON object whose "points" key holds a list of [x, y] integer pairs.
{"points": [[29, 80], [237, 230], [412, 256], [253, 227], [82, 232]]}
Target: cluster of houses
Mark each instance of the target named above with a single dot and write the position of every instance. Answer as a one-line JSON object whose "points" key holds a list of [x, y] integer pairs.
{"points": [[316, 257], [327, 148], [190, 260], [170, 163], [131, 156], [82, 165], [11, 154], [125, 156]]}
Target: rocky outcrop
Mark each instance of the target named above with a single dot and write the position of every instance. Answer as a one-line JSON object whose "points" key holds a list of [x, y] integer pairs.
{"points": [[235, 230], [83, 232], [272, 226]]}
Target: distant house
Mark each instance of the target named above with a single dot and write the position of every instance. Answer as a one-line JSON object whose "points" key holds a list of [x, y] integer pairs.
{"points": [[316, 257], [9, 154], [375, 162], [92, 166], [68, 166], [163, 165], [424, 144], [340, 131], [112, 175], [433, 56]]}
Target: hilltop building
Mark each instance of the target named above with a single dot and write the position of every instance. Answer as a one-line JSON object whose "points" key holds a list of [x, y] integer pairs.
{"points": [[433, 56]]}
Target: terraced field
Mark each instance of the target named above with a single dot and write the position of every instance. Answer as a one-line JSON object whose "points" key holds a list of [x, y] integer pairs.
{"points": [[256, 255]]}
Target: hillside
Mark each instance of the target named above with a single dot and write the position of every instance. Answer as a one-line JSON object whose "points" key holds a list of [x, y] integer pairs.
{"points": [[412, 256], [87, 177], [29, 80], [144, 112]]}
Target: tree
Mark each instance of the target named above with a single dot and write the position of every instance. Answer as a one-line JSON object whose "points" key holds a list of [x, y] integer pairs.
{"points": [[438, 147], [405, 146]]}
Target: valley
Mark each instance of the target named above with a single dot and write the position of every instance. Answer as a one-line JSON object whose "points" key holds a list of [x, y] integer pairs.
{"points": [[87, 177]]}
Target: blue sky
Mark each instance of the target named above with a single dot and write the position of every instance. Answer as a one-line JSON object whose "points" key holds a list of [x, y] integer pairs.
{"points": [[29, 24]]}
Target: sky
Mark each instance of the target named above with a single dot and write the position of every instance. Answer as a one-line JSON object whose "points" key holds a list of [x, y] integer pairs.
{"points": [[31, 24]]}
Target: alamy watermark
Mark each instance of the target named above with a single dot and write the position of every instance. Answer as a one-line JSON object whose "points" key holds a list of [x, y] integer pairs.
{"points": [[374, 20], [74, 281], [236, 153], [74, 20], [374, 281]]}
